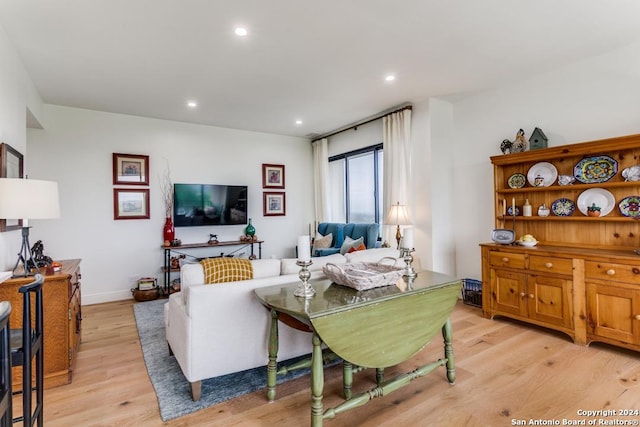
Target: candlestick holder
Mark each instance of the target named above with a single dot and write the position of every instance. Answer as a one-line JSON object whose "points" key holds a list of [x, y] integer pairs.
{"points": [[408, 272], [304, 289]]}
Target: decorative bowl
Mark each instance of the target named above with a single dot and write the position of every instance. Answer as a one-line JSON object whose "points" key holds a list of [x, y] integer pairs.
{"points": [[527, 244]]}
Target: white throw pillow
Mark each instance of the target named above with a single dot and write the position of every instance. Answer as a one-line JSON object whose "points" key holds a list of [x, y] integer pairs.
{"points": [[322, 242], [350, 243]]}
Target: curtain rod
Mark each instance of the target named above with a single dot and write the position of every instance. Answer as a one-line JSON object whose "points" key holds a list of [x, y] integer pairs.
{"points": [[362, 122]]}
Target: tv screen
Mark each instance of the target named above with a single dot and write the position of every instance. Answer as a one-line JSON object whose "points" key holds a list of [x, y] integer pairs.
{"points": [[207, 204]]}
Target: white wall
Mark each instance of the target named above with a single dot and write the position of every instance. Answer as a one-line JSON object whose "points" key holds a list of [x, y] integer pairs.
{"points": [[75, 149], [591, 99], [17, 94]]}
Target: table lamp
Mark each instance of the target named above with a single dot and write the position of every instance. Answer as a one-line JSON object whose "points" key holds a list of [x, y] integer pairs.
{"points": [[28, 199], [397, 216]]}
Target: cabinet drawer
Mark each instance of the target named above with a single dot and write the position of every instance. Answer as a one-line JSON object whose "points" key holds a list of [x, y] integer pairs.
{"points": [[614, 272], [505, 259], [551, 265]]}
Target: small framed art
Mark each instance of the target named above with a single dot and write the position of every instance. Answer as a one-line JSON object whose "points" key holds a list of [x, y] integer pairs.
{"points": [[274, 203], [272, 176], [130, 169], [130, 203], [11, 166]]}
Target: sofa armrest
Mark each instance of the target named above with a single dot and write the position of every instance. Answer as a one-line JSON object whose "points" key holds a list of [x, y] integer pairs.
{"points": [[326, 251]]}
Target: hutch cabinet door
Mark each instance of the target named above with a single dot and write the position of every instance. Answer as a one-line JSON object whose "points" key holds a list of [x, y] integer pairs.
{"points": [[613, 312], [550, 300], [507, 291]]}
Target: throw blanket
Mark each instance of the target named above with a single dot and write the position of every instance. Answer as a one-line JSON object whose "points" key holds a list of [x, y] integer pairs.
{"points": [[220, 270]]}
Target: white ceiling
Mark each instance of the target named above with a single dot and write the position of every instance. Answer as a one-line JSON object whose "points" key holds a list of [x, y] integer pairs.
{"points": [[323, 62]]}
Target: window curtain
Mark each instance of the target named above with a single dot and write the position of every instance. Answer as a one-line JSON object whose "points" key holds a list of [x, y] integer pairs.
{"points": [[321, 180], [396, 129]]}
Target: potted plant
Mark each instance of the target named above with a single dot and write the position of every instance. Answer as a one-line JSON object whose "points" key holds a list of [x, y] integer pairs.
{"points": [[593, 210]]}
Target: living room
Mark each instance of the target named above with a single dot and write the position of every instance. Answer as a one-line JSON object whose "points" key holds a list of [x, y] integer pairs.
{"points": [[581, 96]]}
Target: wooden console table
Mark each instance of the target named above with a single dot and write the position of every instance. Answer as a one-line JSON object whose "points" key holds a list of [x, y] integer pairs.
{"points": [[181, 248], [62, 320], [352, 324]]}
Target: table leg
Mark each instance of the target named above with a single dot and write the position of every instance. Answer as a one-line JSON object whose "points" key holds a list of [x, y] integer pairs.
{"points": [[447, 334], [317, 382], [379, 375], [272, 366], [347, 379]]}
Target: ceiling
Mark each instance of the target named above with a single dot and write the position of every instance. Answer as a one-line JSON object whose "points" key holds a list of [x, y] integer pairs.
{"points": [[322, 62]]}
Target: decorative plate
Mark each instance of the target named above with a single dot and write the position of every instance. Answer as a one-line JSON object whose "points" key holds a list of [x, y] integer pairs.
{"points": [[630, 206], [601, 197], [563, 207], [545, 170], [510, 211], [591, 170], [517, 180]]}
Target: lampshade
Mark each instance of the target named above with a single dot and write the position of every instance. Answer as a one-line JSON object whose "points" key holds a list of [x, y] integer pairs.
{"points": [[28, 199], [397, 215]]}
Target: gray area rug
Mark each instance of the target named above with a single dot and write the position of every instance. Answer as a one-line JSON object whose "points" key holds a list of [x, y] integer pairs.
{"points": [[172, 388]]}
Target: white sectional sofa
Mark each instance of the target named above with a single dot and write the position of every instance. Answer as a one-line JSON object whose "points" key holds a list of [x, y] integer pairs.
{"points": [[218, 329]]}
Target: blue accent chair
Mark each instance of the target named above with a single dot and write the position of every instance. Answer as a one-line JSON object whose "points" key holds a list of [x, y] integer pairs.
{"points": [[369, 232]]}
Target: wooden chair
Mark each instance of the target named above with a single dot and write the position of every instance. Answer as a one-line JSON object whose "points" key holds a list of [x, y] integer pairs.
{"points": [[6, 408], [26, 345]]}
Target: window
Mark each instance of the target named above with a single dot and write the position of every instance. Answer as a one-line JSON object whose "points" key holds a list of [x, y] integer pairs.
{"points": [[356, 183]]}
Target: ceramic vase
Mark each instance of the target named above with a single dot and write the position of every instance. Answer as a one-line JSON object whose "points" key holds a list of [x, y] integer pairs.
{"points": [[169, 232], [250, 230]]}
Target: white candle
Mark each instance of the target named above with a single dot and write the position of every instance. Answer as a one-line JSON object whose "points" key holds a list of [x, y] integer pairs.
{"points": [[504, 207], [513, 206], [407, 239], [304, 248]]}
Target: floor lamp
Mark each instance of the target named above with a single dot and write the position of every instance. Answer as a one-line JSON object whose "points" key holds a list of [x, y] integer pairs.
{"points": [[28, 199], [397, 216]]}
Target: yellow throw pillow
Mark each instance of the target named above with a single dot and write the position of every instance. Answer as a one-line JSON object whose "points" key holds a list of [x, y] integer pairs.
{"points": [[322, 242], [220, 270]]}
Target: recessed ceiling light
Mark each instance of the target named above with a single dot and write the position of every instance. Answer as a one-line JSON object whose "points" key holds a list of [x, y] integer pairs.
{"points": [[298, 122], [241, 31], [390, 78], [192, 104]]}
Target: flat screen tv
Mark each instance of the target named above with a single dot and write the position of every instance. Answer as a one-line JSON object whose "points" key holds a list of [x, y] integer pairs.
{"points": [[197, 205]]}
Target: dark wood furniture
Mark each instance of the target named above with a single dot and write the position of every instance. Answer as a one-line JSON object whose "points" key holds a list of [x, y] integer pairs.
{"points": [[62, 320]]}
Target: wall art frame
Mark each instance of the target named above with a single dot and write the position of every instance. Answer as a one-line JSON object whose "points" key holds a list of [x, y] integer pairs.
{"points": [[130, 169], [274, 203], [131, 203], [11, 166], [272, 176]]}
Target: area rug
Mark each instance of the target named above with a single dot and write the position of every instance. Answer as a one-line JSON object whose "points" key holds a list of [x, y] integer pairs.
{"points": [[172, 388]]}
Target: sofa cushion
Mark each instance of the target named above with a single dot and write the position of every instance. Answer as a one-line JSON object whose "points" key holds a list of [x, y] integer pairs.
{"points": [[362, 247], [350, 243], [220, 270], [322, 242], [265, 268], [373, 255], [289, 265]]}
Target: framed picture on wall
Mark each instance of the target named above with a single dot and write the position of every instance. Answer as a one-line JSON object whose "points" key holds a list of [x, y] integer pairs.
{"points": [[272, 176], [131, 203], [130, 169], [11, 166], [274, 203]]}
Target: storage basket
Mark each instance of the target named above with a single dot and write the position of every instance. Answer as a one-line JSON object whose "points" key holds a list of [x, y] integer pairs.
{"points": [[472, 292], [362, 276]]}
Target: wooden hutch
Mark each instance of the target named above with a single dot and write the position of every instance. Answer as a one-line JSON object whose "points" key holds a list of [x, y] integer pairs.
{"points": [[583, 277]]}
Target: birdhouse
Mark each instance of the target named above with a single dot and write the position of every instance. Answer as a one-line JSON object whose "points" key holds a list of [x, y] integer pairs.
{"points": [[537, 139]]}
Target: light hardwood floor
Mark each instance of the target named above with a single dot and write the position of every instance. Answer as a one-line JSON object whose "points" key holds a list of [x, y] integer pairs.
{"points": [[506, 372]]}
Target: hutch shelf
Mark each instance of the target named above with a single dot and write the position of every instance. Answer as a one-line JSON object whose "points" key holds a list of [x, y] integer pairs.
{"points": [[583, 278]]}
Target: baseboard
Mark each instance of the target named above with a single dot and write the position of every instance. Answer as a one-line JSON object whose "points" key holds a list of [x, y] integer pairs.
{"points": [[106, 297]]}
